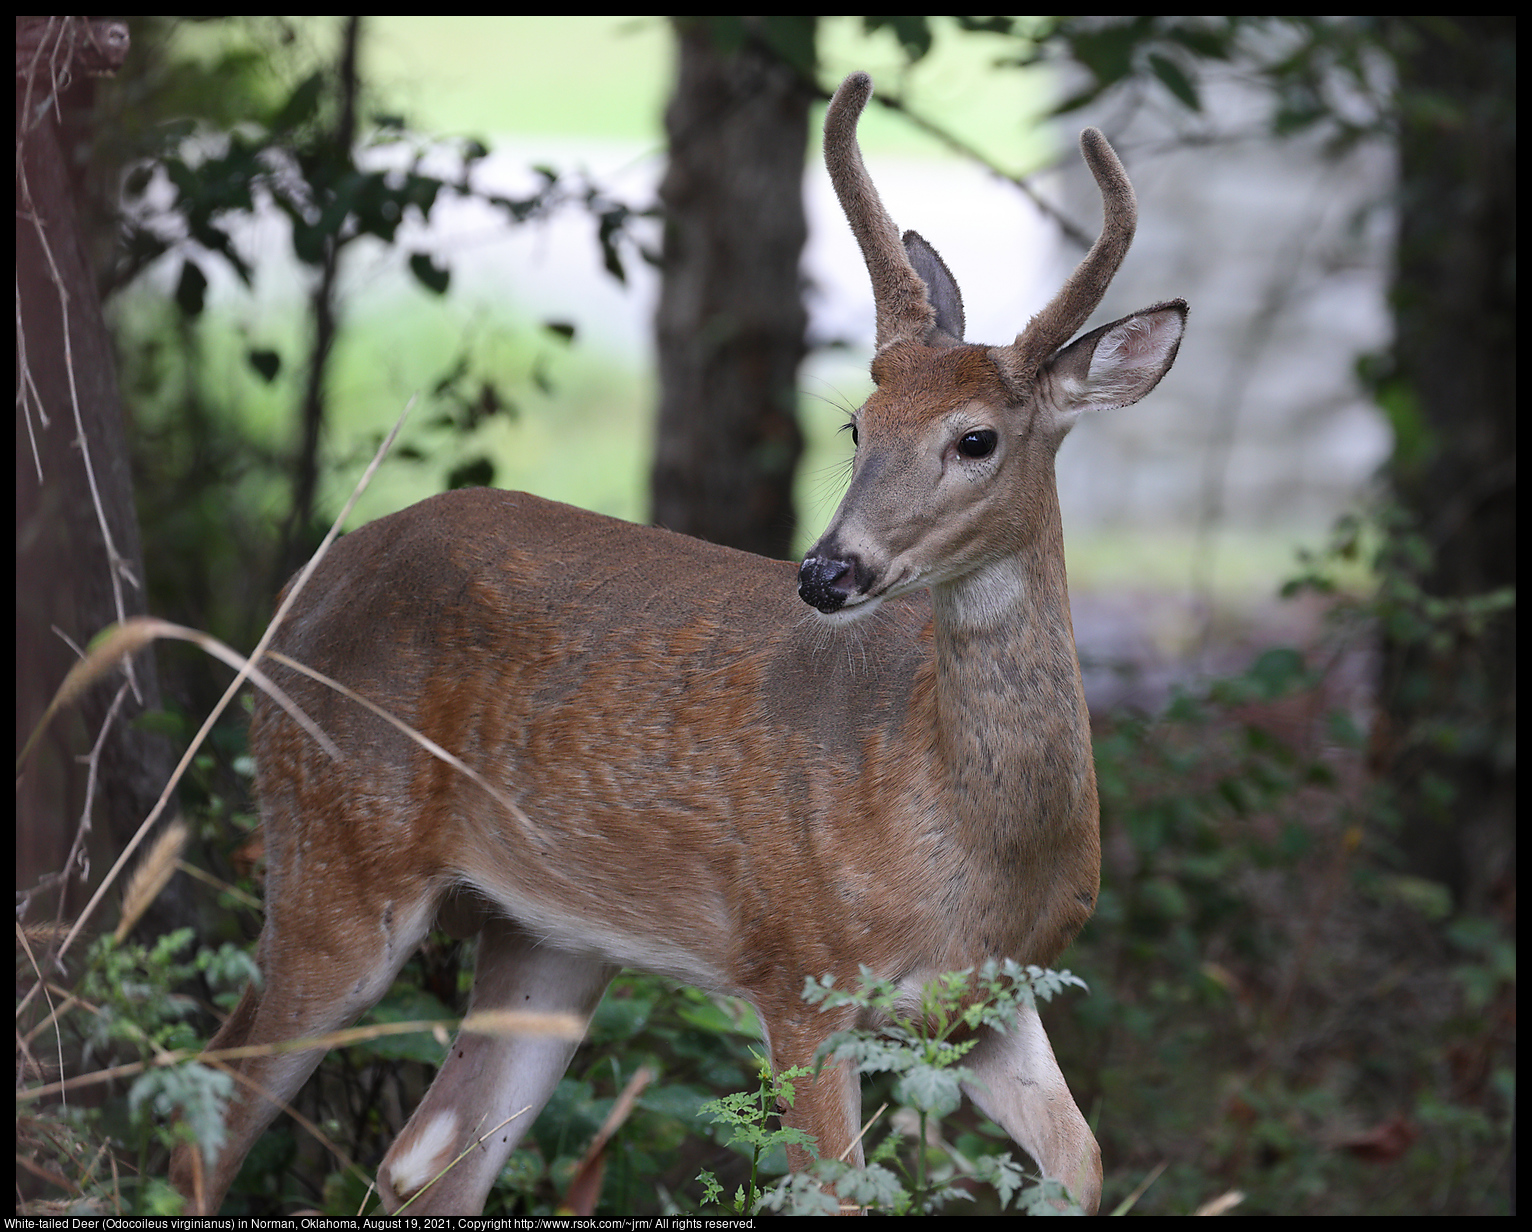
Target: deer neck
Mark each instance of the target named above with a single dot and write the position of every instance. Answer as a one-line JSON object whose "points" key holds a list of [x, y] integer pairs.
{"points": [[1013, 730], [1012, 742]]}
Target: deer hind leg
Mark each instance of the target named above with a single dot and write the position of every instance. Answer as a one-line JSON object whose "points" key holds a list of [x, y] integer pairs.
{"points": [[1018, 1085], [326, 957], [489, 1078]]}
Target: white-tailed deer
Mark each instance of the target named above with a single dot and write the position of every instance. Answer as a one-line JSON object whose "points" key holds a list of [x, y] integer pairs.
{"points": [[715, 782]]}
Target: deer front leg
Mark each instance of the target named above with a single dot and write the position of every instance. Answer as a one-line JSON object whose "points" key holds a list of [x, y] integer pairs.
{"points": [[1018, 1085], [827, 1106], [489, 1078]]}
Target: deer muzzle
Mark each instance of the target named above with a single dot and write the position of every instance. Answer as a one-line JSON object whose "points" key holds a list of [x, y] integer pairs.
{"points": [[825, 583]]}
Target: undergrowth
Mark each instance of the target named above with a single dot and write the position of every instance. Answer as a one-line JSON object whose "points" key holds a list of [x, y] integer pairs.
{"points": [[924, 1051]]}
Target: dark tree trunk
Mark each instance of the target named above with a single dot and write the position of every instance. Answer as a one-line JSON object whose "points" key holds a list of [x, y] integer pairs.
{"points": [[1449, 703], [67, 373], [731, 320]]}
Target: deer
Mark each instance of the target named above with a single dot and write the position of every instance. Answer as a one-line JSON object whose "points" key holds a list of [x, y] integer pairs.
{"points": [[731, 771]]}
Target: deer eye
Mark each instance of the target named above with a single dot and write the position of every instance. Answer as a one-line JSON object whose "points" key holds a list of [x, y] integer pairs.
{"points": [[978, 444]]}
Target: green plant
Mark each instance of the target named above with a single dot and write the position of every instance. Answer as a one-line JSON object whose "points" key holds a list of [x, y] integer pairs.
{"points": [[1290, 1011], [124, 1015], [924, 1050], [745, 1114]]}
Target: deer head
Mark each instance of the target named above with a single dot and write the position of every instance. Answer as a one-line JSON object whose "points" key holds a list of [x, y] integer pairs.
{"points": [[954, 469]]}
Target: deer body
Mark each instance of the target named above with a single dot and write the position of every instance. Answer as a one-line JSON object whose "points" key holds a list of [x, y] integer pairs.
{"points": [[713, 781]]}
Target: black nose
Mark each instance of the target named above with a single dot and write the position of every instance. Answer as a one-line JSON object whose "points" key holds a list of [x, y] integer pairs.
{"points": [[825, 584]]}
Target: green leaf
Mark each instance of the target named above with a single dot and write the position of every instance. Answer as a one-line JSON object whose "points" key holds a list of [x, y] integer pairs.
{"points": [[930, 1088], [195, 1093], [137, 181], [1002, 1172], [430, 275], [301, 104], [911, 29], [309, 242], [405, 1003], [475, 473], [267, 363], [1107, 51], [1276, 671], [1040, 1199], [1175, 80], [791, 36], [709, 1017], [191, 289], [608, 233]]}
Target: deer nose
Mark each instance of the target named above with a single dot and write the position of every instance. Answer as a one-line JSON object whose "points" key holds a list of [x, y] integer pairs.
{"points": [[826, 583]]}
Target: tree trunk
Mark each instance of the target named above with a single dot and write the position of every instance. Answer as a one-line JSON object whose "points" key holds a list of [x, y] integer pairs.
{"points": [[67, 374], [1448, 700], [731, 321]]}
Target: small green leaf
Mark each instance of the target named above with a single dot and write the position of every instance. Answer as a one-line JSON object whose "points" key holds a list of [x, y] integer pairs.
{"points": [[1175, 80], [191, 289], [475, 473], [301, 104], [430, 275], [267, 363]]}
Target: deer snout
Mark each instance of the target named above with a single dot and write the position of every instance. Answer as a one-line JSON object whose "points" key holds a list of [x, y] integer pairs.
{"points": [[826, 583]]}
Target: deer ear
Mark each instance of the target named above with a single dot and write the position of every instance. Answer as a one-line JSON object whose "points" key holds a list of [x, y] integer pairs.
{"points": [[941, 290], [1117, 364]]}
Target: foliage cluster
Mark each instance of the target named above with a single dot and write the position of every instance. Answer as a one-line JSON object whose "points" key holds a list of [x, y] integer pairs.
{"points": [[1279, 1005], [247, 140], [128, 1017], [923, 1050], [123, 1012]]}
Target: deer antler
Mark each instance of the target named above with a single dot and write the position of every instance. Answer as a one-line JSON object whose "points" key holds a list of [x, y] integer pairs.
{"points": [[1077, 299], [904, 313]]}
